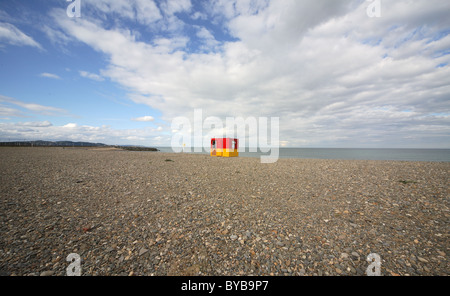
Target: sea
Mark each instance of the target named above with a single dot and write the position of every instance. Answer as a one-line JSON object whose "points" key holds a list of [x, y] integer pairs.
{"points": [[436, 155]]}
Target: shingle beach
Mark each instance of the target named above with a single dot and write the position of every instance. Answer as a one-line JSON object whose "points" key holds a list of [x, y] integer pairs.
{"points": [[154, 213]]}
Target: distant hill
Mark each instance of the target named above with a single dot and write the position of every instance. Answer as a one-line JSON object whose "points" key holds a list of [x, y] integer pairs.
{"points": [[137, 148], [51, 144], [71, 144]]}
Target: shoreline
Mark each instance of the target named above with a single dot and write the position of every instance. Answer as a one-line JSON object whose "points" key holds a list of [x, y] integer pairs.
{"points": [[396, 154], [187, 214], [439, 159]]}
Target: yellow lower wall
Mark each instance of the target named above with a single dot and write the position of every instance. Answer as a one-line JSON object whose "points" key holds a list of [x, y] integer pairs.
{"points": [[225, 152], [219, 152], [230, 153]]}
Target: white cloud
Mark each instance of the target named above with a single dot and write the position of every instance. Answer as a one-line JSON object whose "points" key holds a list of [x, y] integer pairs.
{"points": [[144, 119], [70, 125], [49, 75], [143, 11], [10, 112], [147, 12], [56, 37], [230, 9], [92, 76], [134, 138], [35, 124], [210, 42], [33, 107], [41, 109], [12, 35], [198, 15], [171, 7]]}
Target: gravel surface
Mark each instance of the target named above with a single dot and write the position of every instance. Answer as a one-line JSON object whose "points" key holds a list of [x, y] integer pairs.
{"points": [[153, 213]]}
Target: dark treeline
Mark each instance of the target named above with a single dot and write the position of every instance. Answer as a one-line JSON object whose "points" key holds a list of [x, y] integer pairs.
{"points": [[50, 144], [70, 144]]}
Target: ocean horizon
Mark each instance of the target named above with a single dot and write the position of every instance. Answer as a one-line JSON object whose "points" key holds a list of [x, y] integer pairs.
{"points": [[398, 154]]}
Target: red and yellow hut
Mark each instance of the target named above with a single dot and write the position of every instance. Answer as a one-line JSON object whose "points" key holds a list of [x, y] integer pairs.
{"points": [[225, 147]]}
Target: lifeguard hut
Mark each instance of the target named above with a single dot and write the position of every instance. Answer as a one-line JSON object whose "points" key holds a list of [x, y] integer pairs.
{"points": [[224, 147]]}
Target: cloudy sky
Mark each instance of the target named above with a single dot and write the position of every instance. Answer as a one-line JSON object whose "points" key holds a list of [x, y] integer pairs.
{"points": [[334, 73]]}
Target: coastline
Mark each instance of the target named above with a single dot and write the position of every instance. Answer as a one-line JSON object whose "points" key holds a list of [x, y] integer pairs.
{"points": [[185, 214], [395, 154]]}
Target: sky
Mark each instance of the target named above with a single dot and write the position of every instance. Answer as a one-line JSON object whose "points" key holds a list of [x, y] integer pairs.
{"points": [[338, 74]]}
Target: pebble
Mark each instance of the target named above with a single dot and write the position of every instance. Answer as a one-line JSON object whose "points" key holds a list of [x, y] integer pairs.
{"points": [[142, 251], [422, 259]]}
